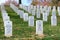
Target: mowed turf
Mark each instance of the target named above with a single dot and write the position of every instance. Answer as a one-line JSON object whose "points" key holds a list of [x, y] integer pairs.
{"points": [[21, 30]]}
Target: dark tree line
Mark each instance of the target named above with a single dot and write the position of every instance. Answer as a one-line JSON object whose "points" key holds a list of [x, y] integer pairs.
{"points": [[55, 2]]}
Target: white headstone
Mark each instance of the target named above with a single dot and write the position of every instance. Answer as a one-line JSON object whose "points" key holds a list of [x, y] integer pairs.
{"points": [[45, 17], [26, 8], [25, 16], [18, 12], [21, 14], [29, 9], [54, 8], [53, 12], [39, 27], [49, 8], [58, 11], [38, 14], [21, 6], [41, 8], [8, 28], [33, 12], [38, 6], [6, 18], [4, 14], [31, 21], [53, 21]]}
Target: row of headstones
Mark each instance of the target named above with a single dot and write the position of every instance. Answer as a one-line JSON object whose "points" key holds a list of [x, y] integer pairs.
{"points": [[46, 14], [39, 23], [30, 19], [35, 10], [7, 22], [23, 15]]}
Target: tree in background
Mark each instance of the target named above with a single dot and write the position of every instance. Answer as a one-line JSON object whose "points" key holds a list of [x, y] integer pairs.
{"points": [[55, 2]]}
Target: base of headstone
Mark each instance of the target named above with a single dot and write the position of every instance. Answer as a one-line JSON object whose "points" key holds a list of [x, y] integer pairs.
{"points": [[41, 36], [8, 35]]}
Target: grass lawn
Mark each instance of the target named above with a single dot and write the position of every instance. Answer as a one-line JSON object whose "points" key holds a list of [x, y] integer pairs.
{"points": [[21, 30]]}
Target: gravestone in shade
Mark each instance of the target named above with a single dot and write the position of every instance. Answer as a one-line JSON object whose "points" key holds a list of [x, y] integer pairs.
{"points": [[21, 13], [8, 28], [21, 6], [33, 12], [49, 8], [26, 8], [18, 13], [41, 8], [39, 27], [25, 16], [38, 14], [53, 21], [31, 6], [31, 21], [45, 17], [34, 7], [48, 12], [59, 12], [38, 7], [29, 9], [53, 12], [58, 8]]}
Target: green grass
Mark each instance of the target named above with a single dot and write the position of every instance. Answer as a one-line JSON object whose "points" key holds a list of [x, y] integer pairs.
{"points": [[21, 30]]}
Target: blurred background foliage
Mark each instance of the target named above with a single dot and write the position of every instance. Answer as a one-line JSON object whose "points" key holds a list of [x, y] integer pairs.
{"points": [[50, 3]]}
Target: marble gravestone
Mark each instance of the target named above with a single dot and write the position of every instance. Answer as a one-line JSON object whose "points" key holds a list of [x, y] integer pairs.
{"points": [[39, 27], [26, 8], [34, 11], [18, 12], [59, 13], [49, 8], [38, 14], [58, 8], [53, 21], [21, 13], [31, 21], [45, 16], [21, 6], [4, 14], [41, 9], [8, 28], [53, 12], [29, 9], [25, 16], [6, 18]]}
